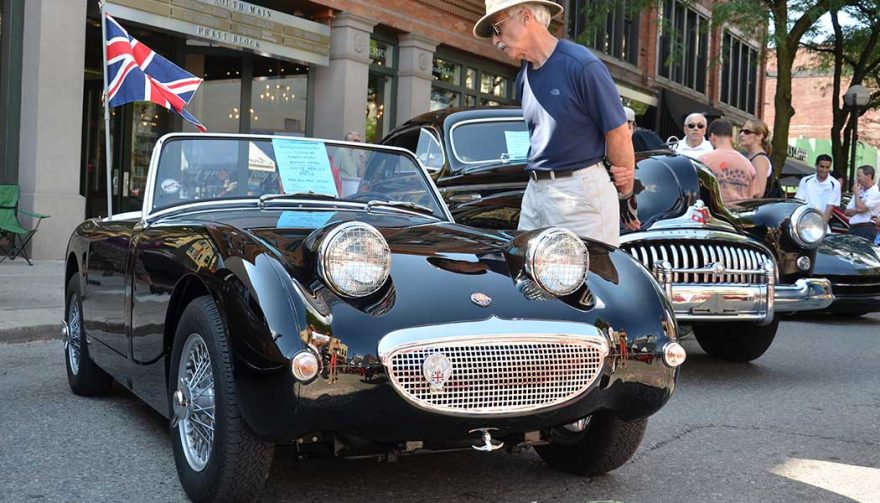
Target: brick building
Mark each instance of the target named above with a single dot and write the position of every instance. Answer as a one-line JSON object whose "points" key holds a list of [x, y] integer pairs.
{"points": [[810, 130], [318, 68]]}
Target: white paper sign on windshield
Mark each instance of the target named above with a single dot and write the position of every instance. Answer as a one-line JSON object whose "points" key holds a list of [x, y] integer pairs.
{"points": [[304, 166], [517, 144]]}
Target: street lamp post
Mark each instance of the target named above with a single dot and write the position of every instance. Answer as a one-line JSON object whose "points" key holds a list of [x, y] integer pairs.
{"points": [[856, 96]]}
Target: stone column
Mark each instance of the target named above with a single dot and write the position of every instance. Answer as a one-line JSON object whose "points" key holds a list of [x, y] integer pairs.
{"points": [[414, 76], [53, 58], [340, 90]]}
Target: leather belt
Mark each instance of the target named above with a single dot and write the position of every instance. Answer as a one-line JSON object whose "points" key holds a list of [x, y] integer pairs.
{"points": [[552, 175]]}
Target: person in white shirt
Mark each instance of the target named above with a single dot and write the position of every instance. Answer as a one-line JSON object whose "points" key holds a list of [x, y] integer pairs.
{"points": [[864, 205], [820, 191], [694, 143]]}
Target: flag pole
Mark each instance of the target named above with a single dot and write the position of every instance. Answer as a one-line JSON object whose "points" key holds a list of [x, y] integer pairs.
{"points": [[108, 158]]}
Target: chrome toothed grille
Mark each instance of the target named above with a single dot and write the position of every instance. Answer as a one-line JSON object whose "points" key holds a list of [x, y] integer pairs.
{"points": [[693, 254], [501, 376]]}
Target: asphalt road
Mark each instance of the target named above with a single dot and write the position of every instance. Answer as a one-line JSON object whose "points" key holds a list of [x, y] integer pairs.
{"points": [[799, 424]]}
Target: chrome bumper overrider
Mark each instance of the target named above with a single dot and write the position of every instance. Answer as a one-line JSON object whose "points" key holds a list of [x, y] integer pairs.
{"points": [[740, 302]]}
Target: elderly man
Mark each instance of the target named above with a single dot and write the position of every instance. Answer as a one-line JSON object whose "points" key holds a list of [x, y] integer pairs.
{"points": [[694, 144], [575, 120], [820, 191], [864, 205]]}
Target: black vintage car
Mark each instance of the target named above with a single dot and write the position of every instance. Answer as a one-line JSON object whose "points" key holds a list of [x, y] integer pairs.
{"points": [[266, 296], [728, 274]]}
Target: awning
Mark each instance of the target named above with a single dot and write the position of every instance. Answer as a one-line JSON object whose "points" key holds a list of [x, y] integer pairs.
{"points": [[676, 107]]}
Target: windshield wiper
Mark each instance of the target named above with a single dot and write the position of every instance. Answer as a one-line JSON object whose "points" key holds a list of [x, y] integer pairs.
{"points": [[400, 204], [297, 195]]}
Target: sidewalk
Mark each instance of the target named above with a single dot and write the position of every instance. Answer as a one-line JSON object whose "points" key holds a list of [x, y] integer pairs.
{"points": [[31, 300]]}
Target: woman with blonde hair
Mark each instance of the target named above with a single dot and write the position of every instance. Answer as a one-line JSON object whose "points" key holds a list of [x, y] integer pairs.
{"points": [[755, 137]]}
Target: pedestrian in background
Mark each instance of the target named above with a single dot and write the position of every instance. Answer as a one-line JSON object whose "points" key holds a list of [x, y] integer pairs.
{"points": [[864, 205], [694, 143], [820, 191], [735, 174], [576, 121], [755, 138]]}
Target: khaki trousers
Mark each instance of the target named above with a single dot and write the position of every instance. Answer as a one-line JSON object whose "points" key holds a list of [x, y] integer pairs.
{"points": [[584, 203]]}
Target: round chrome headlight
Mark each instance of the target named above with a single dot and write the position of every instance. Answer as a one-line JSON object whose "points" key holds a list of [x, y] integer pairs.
{"points": [[807, 226], [354, 259], [557, 260]]}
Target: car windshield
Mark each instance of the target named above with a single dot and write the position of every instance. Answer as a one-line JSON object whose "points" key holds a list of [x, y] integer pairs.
{"points": [[484, 141], [192, 169]]}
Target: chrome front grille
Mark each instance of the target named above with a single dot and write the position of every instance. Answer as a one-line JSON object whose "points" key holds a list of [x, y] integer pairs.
{"points": [[693, 254], [504, 375]]}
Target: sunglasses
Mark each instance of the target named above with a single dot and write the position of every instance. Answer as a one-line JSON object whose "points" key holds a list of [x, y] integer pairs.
{"points": [[746, 131], [496, 27], [696, 126]]}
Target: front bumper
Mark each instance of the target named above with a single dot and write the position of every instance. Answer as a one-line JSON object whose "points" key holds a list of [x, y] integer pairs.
{"points": [[698, 302]]}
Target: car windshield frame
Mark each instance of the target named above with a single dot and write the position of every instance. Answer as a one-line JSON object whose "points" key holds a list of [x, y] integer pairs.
{"points": [[461, 163], [149, 213]]}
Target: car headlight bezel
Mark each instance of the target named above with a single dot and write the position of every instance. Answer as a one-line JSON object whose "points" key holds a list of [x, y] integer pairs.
{"points": [[537, 247], [796, 229], [334, 274]]}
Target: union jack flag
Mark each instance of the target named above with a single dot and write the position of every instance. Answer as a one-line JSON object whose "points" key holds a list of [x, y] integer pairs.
{"points": [[136, 73]]}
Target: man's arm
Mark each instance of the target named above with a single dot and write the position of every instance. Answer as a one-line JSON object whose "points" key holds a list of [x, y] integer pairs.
{"points": [[855, 205], [834, 202], [619, 151]]}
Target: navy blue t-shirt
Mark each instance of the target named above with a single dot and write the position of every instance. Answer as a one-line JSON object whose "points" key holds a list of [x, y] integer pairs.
{"points": [[570, 103]]}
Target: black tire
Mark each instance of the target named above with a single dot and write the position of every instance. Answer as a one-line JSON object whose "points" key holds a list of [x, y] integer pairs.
{"points": [[606, 444], [238, 463], [83, 375], [736, 342], [844, 313]]}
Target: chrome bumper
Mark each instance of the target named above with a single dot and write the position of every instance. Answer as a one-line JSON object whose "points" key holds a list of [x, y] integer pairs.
{"points": [[805, 295], [733, 302]]}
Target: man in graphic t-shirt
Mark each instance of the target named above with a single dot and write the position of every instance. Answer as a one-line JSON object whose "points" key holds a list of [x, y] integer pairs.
{"points": [[735, 174], [576, 121]]}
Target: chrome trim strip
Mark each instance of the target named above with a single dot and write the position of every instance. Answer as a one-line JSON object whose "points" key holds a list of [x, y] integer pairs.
{"points": [[490, 332]]}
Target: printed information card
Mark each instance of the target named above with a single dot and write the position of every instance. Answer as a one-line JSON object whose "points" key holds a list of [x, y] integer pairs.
{"points": [[304, 166], [517, 144]]}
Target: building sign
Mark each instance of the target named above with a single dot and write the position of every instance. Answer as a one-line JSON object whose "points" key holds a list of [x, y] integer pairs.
{"points": [[233, 23], [797, 153]]}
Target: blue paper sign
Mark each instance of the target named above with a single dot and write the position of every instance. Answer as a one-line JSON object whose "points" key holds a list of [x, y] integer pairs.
{"points": [[303, 219], [304, 166], [517, 144]]}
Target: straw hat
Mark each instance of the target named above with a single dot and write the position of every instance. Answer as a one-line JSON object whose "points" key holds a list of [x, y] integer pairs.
{"points": [[483, 28]]}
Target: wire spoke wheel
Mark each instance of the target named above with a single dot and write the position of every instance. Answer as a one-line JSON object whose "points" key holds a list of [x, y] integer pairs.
{"points": [[196, 378], [74, 342]]}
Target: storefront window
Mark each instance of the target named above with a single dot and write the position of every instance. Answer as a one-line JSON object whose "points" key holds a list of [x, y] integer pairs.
{"points": [[442, 98], [217, 103], [381, 89], [486, 86]]}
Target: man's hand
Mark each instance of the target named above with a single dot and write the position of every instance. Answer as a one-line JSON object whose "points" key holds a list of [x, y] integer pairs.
{"points": [[623, 178], [629, 211]]}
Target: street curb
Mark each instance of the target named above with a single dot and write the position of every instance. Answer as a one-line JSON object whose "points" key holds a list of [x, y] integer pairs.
{"points": [[20, 335]]}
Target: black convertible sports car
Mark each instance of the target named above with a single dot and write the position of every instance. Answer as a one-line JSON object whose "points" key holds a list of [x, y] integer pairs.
{"points": [[280, 290], [727, 273]]}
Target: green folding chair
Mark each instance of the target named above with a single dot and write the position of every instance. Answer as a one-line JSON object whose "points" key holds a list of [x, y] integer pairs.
{"points": [[13, 236]]}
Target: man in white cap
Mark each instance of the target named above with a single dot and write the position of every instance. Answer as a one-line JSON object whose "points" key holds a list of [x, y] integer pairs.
{"points": [[576, 122]]}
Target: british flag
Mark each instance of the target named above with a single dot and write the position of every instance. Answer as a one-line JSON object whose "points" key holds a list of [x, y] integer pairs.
{"points": [[136, 73]]}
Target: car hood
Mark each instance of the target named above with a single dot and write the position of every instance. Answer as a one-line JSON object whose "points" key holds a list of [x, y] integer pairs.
{"points": [[847, 255], [436, 266]]}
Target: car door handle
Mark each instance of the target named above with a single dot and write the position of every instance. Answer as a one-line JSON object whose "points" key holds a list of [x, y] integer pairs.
{"points": [[465, 198]]}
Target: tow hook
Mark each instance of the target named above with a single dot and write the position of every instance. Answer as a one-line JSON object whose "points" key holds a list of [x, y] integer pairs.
{"points": [[489, 445]]}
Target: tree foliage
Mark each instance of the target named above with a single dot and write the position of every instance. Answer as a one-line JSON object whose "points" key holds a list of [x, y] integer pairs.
{"points": [[852, 54]]}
